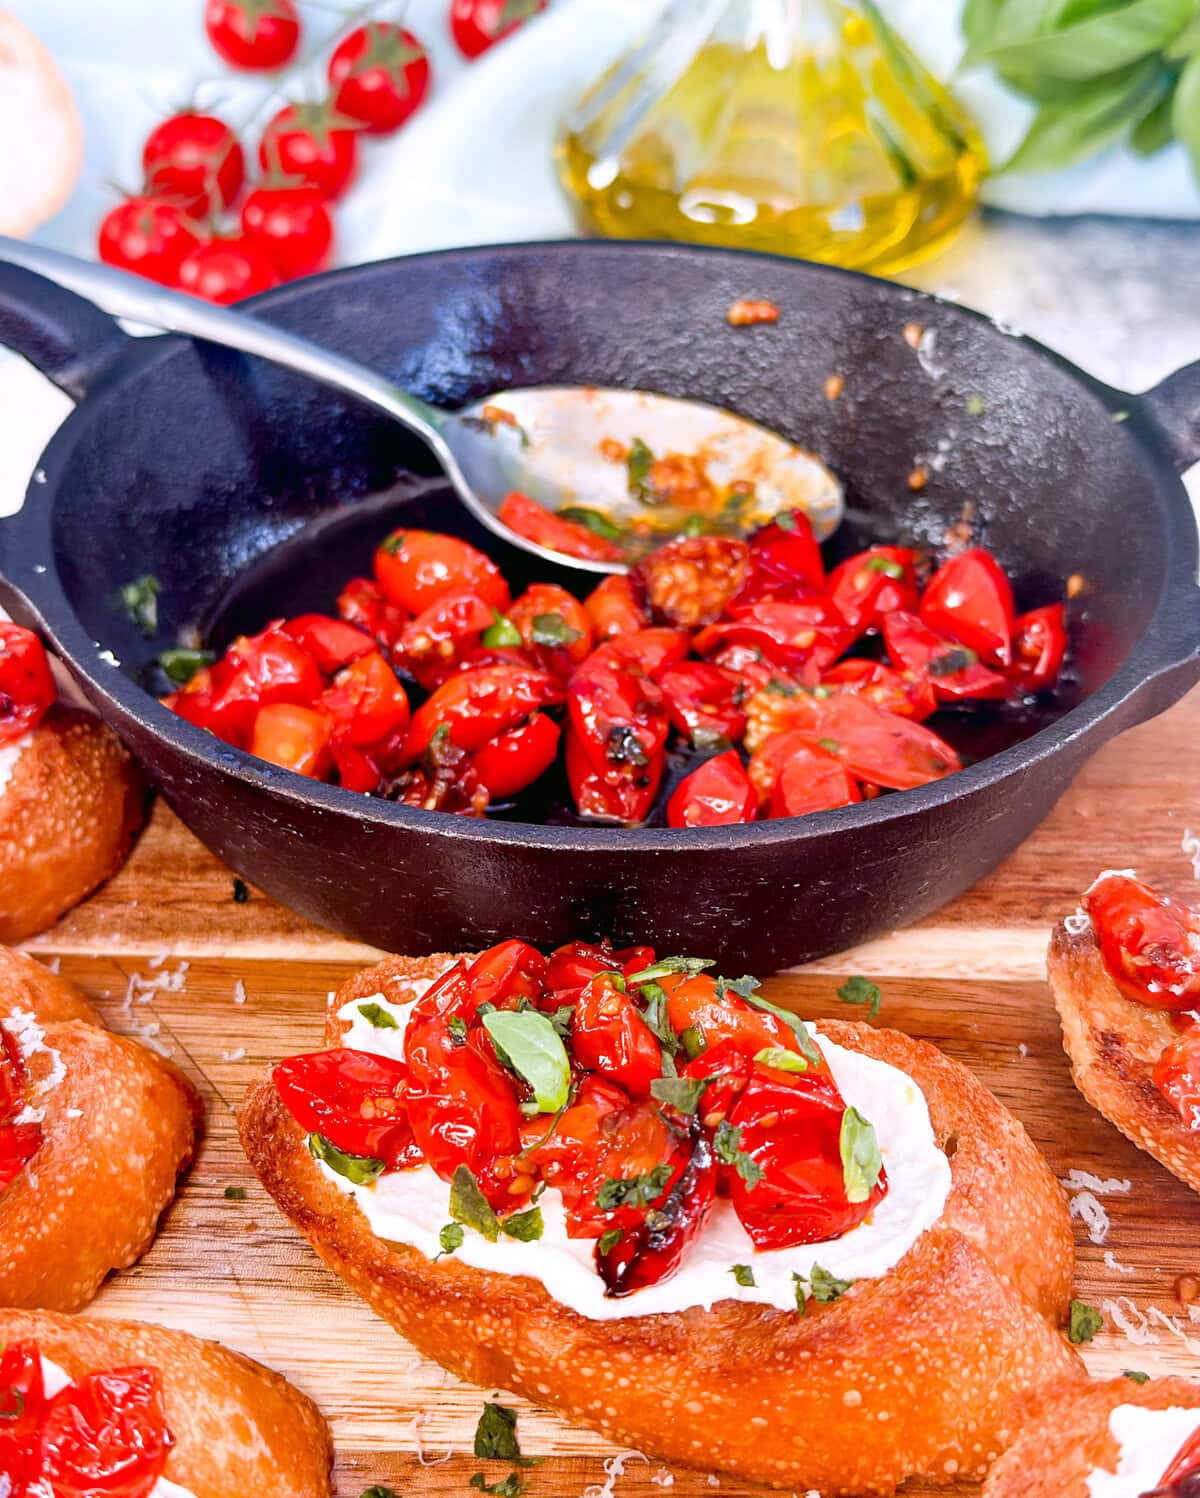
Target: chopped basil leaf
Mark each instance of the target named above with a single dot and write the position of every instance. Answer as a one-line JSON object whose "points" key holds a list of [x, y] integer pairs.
{"points": [[561, 1019], [861, 1160], [180, 664], [951, 661], [781, 1060], [658, 1020], [886, 566], [633, 1191], [693, 526], [525, 1227], [860, 990], [638, 464], [608, 1241], [1085, 1321], [451, 1238], [469, 1206], [1136, 1376], [379, 1491], [683, 1093], [378, 1016], [511, 1487], [798, 1284], [235, 1193], [458, 1029], [743, 1274], [595, 520], [496, 1437], [825, 1286], [727, 1146], [785, 520], [393, 543], [361, 1170], [665, 966], [692, 1041], [535, 1051], [140, 598], [502, 633], [830, 746], [553, 630], [743, 987], [624, 747], [793, 1021], [241, 892]]}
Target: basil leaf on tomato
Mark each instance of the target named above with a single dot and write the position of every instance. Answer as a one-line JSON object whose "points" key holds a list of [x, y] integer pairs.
{"points": [[535, 1051], [553, 630], [793, 1021], [683, 1093], [665, 966], [776, 1057], [861, 1159]]}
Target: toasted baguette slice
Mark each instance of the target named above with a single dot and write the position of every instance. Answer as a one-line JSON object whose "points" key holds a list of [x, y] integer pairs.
{"points": [[41, 140], [68, 816], [119, 1124], [1113, 1044], [1067, 1435], [916, 1373], [239, 1428]]}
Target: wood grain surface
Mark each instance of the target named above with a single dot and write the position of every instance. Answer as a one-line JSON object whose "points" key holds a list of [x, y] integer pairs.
{"points": [[243, 984]]}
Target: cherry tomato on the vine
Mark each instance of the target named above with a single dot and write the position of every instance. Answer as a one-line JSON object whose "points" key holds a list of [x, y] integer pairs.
{"points": [[479, 24], [379, 75], [227, 270], [195, 160], [312, 144], [258, 35], [149, 236], [293, 226]]}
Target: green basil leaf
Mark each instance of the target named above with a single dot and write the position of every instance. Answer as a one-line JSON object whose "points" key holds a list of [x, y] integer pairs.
{"points": [[860, 990], [608, 1241], [511, 1487], [180, 664], [1080, 47], [633, 1191], [553, 630], [797, 1026], [825, 1286], [140, 599], [1156, 128], [665, 966], [727, 1146], [525, 1227], [451, 1237], [1085, 1321], [595, 520], [1092, 117], [861, 1160], [743, 1274], [536, 1053], [377, 1015], [637, 466], [469, 1206], [979, 20], [799, 1284], [496, 1437], [361, 1170], [501, 634], [1135, 1375], [1185, 111], [775, 1056], [683, 1093], [235, 1193], [379, 1491]]}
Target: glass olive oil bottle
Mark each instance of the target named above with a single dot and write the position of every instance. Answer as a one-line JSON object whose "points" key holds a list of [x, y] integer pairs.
{"points": [[806, 127]]}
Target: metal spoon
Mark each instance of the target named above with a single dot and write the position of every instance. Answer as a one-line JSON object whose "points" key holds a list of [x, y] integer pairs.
{"points": [[562, 446]]}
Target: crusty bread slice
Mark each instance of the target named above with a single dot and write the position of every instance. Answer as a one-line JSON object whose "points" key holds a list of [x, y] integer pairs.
{"points": [[68, 817], [119, 1125], [239, 1428], [41, 139], [1113, 1044], [1067, 1435], [916, 1373]]}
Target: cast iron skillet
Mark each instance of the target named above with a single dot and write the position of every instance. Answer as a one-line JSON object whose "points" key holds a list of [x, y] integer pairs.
{"points": [[191, 464]]}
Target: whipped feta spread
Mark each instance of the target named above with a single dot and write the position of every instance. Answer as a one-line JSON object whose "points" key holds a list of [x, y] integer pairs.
{"points": [[411, 1206], [54, 1380], [10, 753], [1149, 1440]]}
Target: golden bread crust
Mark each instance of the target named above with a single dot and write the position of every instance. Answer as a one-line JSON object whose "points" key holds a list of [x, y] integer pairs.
{"points": [[68, 817], [239, 1428], [919, 1372], [1113, 1044]]}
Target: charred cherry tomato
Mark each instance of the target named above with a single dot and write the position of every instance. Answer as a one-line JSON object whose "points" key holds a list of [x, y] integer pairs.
{"points": [[1183, 1464], [197, 160], [1150, 943], [311, 145], [1039, 644], [379, 75], [361, 603], [718, 794], [908, 693], [793, 777], [1177, 1076], [554, 627], [517, 758], [618, 712], [693, 1005], [292, 226], [544, 528], [616, 607], [255, 34], [22, 1404], [970, 599], [331, 642], [785, 560], [704, 702], [790, 1125], [27, 689], [443, 635], [810, 632], [879, 746], [872, 584], [954, 671], [444, 780], [619, 792], [479, 24], [255, 672], [416, 568], [480, 704], [353, 1098], [651, 1251], [574, 966], [689, 582], [296, 738], [18, 1145], [609, 1036], [366, 701], [106, 1433]]}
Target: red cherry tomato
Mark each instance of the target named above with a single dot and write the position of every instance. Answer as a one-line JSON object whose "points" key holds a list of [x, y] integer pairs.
{"points": [[195, 159], [331, 643], [27, 690], [574, 966], [609, 1036], [1177, 1076], [503, 975], [652, 1251], [379, 76], [645, 652], [689, 582], [1150, 943], [517, 758], [554, 627], [22, 1404], [415, 568], [785, 560], [970, 599], [296, 738], [255, 672], [612, 793], [480, 704], [1039, 644], [254, 34], [616, 607], [693, 1005], [871, 584], [18, 1145], [704, 702], [905, 692], [544, 528], [148, 236], [361, 603], [779, 708], [354, 1099], [443, 635], [1186, 1462], [954, 672], [312, 144], [616, 736], [794, 777], [292, 226], [107, 1434], [718, 794], [227, 270], [881, 747], [792, 635], [477, 25], [366, 702]]}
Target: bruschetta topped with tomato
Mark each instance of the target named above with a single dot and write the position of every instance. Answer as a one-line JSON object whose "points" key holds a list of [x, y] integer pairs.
{"points": [[1125, 971], [608, 1179]]}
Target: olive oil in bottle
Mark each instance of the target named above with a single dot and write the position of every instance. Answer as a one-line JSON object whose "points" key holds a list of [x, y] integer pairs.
{"points": [[806, 127]]}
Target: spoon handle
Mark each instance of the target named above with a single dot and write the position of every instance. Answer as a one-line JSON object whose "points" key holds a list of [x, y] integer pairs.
{"points": [[129, 296]]}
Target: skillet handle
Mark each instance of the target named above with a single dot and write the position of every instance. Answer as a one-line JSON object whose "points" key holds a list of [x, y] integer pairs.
{"points": [[68, 339], [1174, 407]]}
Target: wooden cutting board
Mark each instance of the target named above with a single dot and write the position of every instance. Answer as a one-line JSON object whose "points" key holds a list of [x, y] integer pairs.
{"points": [[242, 984]]}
